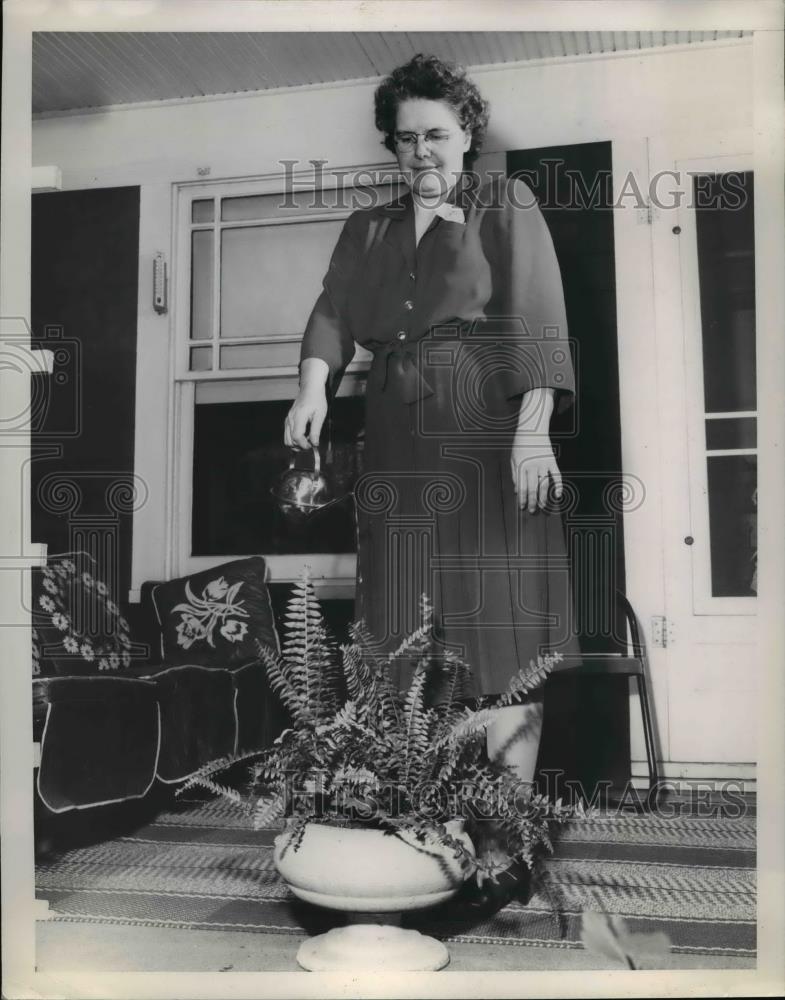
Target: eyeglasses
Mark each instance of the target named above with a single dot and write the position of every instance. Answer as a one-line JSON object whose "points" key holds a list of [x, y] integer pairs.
{"points": [[406, 141]]}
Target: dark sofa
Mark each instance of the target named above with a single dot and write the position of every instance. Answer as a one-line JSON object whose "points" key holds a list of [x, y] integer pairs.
{"points": [[156, 689]]}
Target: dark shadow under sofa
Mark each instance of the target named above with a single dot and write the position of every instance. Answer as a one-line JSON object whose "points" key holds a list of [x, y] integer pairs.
{"points": [[130, 701]]}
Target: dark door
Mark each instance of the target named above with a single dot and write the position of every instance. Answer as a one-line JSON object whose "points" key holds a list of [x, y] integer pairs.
{"points": [[85, 257], [586, 730]]}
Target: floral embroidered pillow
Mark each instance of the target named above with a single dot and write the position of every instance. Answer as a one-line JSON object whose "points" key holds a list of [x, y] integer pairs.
{"points": [[77, 627], [214, 618]]}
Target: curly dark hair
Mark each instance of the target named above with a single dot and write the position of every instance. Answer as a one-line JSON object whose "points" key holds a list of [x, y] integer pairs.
{"points": [[429, 78]]}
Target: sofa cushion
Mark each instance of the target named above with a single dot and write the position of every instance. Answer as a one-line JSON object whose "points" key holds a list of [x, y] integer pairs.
{"points": [[261, 715], [198, 718], [144, 622], [214, 618], [77, 628], [99, 740]]}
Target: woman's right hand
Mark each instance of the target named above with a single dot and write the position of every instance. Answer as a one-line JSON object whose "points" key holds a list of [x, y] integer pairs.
{"points": [[303, 423]]}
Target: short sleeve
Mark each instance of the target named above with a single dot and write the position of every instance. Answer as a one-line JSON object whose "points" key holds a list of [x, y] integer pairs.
{"points": [[532, 299], [327, 333]]}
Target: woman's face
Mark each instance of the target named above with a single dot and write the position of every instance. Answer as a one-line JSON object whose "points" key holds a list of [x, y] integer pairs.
{"points": [[429, 144]]}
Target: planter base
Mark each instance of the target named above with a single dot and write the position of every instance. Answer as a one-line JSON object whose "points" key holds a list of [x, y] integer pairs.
{"points": [[372, 946]]}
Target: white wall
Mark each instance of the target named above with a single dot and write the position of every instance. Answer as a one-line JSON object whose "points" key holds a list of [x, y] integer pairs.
{"points": [[628, 99]]}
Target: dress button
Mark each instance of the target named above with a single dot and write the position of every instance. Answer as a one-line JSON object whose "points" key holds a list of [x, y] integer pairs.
{"points": [[408, 304], [401, 335]]}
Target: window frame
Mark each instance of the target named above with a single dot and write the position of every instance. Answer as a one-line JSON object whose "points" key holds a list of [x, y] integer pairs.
{"points": [[189, 192], [333, 574]]}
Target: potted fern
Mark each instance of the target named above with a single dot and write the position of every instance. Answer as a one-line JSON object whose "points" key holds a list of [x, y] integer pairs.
{"points": [[374, 786]]}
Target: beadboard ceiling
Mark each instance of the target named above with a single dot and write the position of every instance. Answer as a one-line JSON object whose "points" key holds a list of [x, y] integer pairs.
{"points": [[88, 70]]}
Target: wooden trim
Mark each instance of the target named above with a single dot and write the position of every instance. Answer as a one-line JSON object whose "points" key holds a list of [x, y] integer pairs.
{"points": [[640, 441], [153, 442], [684, 772]]}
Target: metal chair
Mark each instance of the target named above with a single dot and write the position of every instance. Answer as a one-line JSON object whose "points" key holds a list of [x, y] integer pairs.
{"points": [[632, 664]]}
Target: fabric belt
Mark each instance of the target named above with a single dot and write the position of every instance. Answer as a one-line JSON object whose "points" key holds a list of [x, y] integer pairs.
{"points": [[400, 372]]}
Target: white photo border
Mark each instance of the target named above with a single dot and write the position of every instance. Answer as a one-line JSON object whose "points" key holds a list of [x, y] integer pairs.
{"points": [[765, 17]]}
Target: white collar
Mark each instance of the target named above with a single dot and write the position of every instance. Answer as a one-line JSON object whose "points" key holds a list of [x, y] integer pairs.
{"points": [[450, 213]]}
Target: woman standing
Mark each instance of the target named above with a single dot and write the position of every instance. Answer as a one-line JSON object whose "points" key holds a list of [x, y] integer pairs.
{"points": [[456, 290]]}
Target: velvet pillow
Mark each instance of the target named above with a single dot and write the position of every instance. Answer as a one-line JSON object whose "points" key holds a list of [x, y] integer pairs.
{"points": [[77, 626], [214, 618]]}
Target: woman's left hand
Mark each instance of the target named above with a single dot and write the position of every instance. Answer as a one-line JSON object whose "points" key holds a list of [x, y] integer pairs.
{"points": [[533, 467]]}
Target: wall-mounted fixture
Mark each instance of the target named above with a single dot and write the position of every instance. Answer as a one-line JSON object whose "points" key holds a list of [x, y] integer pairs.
{"points": [[160, 283]]}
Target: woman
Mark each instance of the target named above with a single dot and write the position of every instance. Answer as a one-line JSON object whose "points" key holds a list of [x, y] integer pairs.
{"points": [[456, 290]]}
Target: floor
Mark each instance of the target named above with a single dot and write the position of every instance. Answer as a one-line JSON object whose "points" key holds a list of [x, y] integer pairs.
{"points": [[82, 947], [91, 947]]}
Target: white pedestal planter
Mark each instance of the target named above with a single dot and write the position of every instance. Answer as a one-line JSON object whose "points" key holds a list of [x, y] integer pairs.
{"points": [[375, 877]]}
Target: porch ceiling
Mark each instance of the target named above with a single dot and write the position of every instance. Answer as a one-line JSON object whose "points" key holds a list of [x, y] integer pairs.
{"points": [[88, 70]]}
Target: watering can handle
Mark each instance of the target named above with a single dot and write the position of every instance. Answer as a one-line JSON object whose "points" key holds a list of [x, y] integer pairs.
{"points": [[317, 462]]}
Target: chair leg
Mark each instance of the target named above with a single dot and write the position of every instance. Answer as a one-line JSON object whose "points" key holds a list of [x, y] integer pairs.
{"points": [[648, 735]]}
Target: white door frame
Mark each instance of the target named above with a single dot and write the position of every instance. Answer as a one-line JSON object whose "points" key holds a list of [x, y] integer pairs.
{"points": [[640, 443]]}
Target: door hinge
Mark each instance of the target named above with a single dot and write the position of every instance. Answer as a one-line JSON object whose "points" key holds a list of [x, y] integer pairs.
{"points": [[662, 631]]}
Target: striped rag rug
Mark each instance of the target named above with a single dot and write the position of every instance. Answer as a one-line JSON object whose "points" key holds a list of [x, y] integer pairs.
{"points": [[201, 865]]}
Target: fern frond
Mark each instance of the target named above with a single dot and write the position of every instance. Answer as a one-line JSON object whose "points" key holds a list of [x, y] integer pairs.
{"points": [[470, 725], [413, 644], [278, 673], [426, 611], [268, 811], [294, 833], [388, 699], [208, 771], [356, 672], [356, 775], [208, 784], [360, 636], [417, 641], [458, 672], [414, 719], [309, 653], [528, 679]]}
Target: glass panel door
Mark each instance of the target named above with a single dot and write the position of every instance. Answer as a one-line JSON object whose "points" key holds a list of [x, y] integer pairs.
{"points": [[719, 292]]}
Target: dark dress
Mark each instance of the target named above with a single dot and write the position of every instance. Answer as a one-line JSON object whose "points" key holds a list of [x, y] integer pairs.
{"points": [[460, 326]]}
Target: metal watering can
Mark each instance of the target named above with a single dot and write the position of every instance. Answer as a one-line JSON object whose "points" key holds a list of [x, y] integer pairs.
{"points": [[302, 492]]}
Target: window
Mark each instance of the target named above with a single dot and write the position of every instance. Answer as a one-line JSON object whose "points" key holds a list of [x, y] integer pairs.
{"points": [[238, 454], [250, 259], [726, 268]]}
